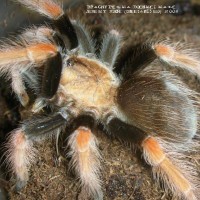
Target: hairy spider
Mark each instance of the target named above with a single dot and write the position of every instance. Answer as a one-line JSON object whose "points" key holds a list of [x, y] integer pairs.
{"points": [[152, 109]]}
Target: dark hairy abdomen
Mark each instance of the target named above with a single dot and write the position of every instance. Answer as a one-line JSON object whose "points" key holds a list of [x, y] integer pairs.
{"points": [[158, 106]]}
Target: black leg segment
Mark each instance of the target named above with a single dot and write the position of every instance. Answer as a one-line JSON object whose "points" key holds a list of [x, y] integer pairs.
{"points": [[125, 132], [43, 125], [51, 76], [59, 40], [134, 58], [83, 120], [66, 28], [21, 152]]}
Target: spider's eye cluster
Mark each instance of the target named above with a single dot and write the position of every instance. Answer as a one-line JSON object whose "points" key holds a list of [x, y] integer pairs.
{"points": [[70, 62]]}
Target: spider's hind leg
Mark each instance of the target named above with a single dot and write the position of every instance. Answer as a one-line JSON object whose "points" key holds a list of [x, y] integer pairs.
{"points": [[180, 181], [180, 178], [134, 58], [166, 114]]}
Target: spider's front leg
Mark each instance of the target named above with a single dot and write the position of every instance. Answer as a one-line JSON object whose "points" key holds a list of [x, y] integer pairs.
{"points": [[16, 59], [38, 47], [53, 10], [21, 152], [69, 33]]}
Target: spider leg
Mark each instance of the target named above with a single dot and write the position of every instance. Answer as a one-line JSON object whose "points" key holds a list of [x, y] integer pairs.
{"points": [[19, 87], [41, 34], [18, 57], [86, 42], [110, 48], [134, 57], [180, 178], [125, 131], [175, 56], [54, 11], [31, 78], [164, 168], [21, 152], [86, 160], [51, 76], [137, 57]]}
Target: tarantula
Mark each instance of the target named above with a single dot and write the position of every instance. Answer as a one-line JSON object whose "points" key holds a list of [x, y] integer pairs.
{"points": [[152, 109]]}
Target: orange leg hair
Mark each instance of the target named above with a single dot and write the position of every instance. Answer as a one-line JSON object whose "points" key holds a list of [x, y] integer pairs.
{"points": [[35, 53], [20, 155], [14, 60], [166, 170], [49, 8], [175, 57], [86, 160]]}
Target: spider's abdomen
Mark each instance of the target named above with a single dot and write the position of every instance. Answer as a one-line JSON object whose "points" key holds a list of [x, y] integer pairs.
{"points": [[159, 106], [90, 84]]}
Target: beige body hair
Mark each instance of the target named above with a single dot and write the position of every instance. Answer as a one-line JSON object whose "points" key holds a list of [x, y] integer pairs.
{"points": [[90, 84]]}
